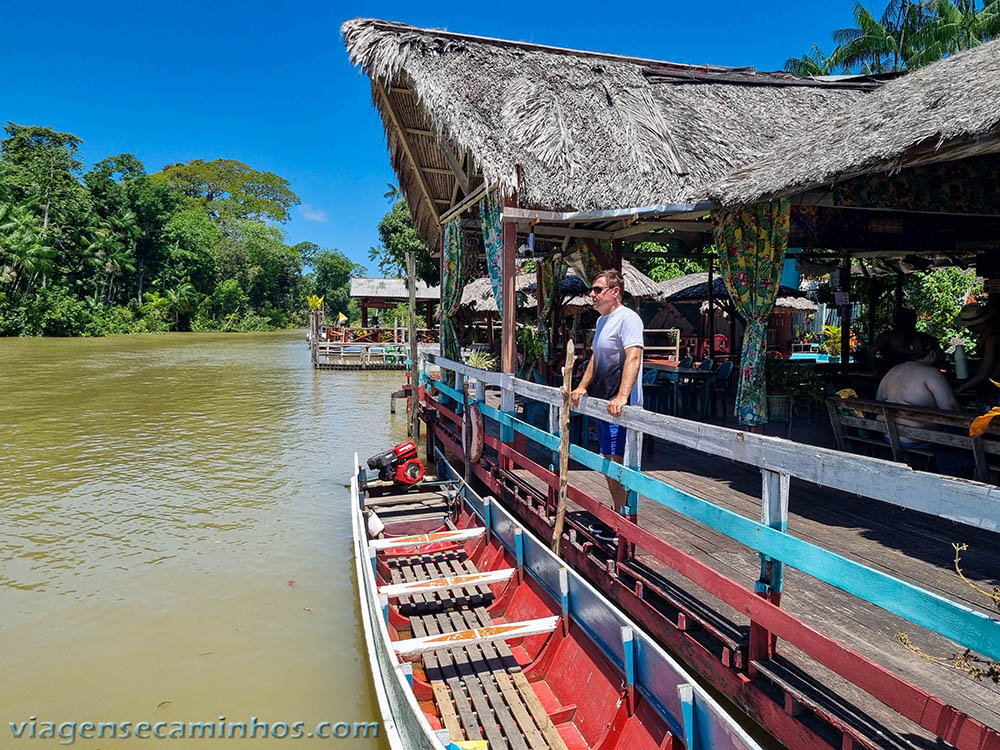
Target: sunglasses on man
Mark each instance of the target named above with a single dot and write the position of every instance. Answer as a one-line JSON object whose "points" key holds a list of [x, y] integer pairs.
{"points": [[597, 289]]}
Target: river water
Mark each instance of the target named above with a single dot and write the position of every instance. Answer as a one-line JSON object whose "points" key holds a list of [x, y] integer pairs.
{"points": [[175, 540]]}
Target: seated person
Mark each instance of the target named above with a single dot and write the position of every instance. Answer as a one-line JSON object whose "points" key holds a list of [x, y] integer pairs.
{"points": [[894, 347], [920, 383], [983, 324]]}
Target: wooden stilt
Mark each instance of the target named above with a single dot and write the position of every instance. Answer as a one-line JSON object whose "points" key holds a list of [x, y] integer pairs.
{"points": [[567, 390]]}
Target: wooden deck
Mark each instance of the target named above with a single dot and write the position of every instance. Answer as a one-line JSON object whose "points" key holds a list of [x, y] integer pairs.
{"points": [[909, 545]]}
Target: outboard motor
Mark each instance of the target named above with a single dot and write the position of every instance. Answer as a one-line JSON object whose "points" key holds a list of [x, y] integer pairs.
{"points": [[399, 464]]}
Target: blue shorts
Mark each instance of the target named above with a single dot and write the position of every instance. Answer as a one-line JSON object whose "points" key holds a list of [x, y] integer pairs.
{"points": [[611, 438]]}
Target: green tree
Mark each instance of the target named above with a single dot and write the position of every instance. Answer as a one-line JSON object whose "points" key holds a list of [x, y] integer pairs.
{"points": [[229, 189], [813, 64], [397, 236], [937, 297], [181, 299], [192, 239], [332, 280]]}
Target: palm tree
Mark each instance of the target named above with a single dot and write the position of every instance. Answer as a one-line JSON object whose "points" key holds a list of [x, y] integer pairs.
{"points": [[182, 299], [813, 64], [393, 194], [958, 25]]}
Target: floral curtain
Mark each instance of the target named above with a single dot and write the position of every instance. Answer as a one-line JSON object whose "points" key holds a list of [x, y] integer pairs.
{"points": [[752, 242], [551, 272], [452, 284], [490, 208]]}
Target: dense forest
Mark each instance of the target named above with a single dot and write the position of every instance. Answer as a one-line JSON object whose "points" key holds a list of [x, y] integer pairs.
{"points": [[195, 246]]}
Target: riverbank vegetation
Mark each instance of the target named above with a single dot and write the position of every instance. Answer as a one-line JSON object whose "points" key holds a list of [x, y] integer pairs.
{"points": [[196, 246]]}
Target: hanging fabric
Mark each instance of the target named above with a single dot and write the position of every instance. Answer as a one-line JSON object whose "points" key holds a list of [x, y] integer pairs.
{"points": [[490, 209], [552, 273], [751, 242], [583, 261], [452, 284]]}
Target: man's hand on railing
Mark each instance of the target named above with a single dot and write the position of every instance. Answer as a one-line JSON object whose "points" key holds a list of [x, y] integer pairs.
{"points": [[575, 396]]}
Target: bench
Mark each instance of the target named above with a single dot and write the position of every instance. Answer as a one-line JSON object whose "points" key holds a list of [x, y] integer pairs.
{"points": [[857, 422]]}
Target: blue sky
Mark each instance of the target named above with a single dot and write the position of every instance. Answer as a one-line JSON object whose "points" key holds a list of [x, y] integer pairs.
{"points": [[270, 84]]}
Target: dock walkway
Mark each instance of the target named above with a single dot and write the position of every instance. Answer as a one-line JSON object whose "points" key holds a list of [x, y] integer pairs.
{"points": [[910, 545]]}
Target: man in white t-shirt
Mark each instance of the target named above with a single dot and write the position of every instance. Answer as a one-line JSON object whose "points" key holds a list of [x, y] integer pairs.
{"points": [[614, 367]]}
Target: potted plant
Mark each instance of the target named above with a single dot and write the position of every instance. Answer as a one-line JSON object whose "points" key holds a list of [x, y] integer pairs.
{"points": [[779, 397], [831, 342]]}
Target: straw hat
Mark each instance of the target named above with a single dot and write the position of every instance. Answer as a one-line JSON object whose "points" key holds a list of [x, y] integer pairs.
{"points": [[974, 314]]}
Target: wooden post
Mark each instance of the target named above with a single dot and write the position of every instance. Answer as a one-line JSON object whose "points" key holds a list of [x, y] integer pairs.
{"points": [[364, 316], [773, 513], [411, 277], [567, 390], [616, 255], [711, 311], [845, 313], [508, 267]]}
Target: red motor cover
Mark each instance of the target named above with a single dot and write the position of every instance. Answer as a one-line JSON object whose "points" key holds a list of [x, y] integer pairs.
{"points": [[405, 450], [410, 471]]}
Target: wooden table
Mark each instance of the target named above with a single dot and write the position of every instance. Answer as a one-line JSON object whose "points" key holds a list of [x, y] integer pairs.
{"points": [[683, 373]]}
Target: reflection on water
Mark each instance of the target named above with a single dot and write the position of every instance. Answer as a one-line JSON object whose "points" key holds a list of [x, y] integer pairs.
{"points": [[174, 535]]}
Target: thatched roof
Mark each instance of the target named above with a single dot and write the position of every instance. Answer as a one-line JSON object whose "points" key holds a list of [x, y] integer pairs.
{"points": [[944, 111], [693, 287], [565, 129], [393, 289], [478, 296]]}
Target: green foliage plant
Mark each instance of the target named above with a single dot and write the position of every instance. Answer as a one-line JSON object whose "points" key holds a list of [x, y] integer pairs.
{"points": [[831, 340], [481, 360]]}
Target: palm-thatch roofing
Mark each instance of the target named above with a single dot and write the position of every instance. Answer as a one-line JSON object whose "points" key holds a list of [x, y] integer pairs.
{"points": [[693, 287], [565, 129], [391, 289], [478, 294], [944, 111]]}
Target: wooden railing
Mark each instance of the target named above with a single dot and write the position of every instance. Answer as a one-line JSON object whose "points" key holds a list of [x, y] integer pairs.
{"points": [[967, 502]]}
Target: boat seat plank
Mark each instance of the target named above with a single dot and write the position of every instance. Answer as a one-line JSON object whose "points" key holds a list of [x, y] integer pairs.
{"points": [[508, 699], [423, 540], [446, 709], [436, 624], [483, 634], [478, 687], [538, 728], [416, 497], [446, 583], [519, 681], [441, 663]]}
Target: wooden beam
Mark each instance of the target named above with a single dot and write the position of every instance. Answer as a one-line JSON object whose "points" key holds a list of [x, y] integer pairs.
{"points": [[468, 201], [456, 168], [387, 103], [420, 131], [422, 540], [486, 634], [437, 170], [648, 226]]}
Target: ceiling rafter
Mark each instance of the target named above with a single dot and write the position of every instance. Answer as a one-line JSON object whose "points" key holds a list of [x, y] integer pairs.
{"points": [[401, 132]]}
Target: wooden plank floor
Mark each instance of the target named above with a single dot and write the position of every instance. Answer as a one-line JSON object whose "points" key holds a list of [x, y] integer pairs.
{"points": [[908, 545]]}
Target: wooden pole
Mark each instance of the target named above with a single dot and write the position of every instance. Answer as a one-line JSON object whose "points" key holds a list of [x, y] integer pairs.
{"points": [[411, 282], [509, 271], [845, 313], [711, 310], [567, 389]]}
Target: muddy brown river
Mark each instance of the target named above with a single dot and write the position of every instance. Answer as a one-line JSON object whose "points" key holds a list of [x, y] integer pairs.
{"points": [[175, 541]]}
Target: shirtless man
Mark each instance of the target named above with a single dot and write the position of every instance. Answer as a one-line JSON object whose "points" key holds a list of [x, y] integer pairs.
{"points": [[919, 382]]}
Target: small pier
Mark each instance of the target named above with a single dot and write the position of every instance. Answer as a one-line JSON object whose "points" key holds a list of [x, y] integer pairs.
{"points": [[336, 355], [359, 348]]}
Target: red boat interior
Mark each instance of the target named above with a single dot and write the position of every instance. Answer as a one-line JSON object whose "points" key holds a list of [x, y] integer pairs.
{"points": [[555, 690]]}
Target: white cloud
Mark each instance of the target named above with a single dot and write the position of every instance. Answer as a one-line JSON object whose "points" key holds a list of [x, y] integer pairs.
{"points": [[313, 214]]}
